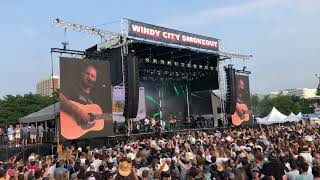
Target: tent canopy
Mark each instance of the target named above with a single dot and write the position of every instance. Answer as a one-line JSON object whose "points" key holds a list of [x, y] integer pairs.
{"points": [[44, 114], [299, 116], [291, 118], [273, 117]]}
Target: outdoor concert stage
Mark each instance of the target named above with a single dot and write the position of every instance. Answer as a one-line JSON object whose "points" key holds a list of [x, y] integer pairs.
{"points": [[177, 75], [151, 71]]}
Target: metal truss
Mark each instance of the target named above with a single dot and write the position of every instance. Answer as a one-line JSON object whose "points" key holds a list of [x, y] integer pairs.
{"points": [[105, 35], [222, 90], [94, 55], [228, 55]]}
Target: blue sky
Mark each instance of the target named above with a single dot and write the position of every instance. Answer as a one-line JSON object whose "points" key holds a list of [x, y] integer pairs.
{"points": [[282, 35]]}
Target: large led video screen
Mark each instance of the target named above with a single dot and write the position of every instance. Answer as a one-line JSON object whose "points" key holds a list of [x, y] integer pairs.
{"points": [[85, 99], [243, 112]]}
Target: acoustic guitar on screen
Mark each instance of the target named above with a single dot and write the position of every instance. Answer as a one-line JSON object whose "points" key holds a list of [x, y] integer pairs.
{"points": [[73, 127], [241, 114]]}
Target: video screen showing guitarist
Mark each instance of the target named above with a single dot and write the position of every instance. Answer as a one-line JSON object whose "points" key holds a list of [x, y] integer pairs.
{"points": [[242, 114], [85, 99]]}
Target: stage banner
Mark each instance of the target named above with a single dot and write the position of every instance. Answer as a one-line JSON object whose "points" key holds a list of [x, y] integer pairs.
{"points": [[85, 99], [243, 112], [118, 98], [162, 34]]}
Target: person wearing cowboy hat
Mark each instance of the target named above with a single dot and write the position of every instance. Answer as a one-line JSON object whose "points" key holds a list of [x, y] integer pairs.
{"points": [[126, 170]]}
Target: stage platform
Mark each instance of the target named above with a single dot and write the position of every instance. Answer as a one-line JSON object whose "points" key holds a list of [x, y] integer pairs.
{"points": [[7, 151], [165, 132]]}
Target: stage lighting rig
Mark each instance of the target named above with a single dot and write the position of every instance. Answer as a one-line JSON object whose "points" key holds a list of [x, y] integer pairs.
{"points": [[244, 68], [154, 61], [65, 45], [243, 71]]}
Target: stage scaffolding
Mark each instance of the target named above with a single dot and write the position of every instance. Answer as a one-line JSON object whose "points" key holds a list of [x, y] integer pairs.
{"points": [[124, 41]]}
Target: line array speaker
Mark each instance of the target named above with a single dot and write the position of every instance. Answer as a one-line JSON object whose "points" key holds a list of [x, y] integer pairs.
{"points": [[131, 74], [231, 94]]}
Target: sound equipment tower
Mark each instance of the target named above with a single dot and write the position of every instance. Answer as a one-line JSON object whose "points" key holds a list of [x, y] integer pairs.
{"points": [[131, 74], [231, 94]]}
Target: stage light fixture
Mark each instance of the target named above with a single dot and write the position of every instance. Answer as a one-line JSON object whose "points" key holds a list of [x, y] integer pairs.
{"points": [[189, 65], [211, 68], [155, 61], [161, 61], [244, 68], [182, 64], [195, 66], [206, 67], [147, 60], [169, 63], [200, 66], [176, 63]]}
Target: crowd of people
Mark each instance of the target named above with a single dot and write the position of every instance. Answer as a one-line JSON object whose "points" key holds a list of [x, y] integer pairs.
{"points": [[23, 134], [153, 124], [275, 152]]}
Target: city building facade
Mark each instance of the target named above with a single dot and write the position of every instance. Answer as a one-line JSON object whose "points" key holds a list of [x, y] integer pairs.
{"points": [[299, 92], [47, 86]]}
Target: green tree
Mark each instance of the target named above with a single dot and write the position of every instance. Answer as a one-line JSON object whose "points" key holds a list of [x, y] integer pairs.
{"points": [[264, 106], [14, 107], [305, 106], [285, 104], [254, 103]]}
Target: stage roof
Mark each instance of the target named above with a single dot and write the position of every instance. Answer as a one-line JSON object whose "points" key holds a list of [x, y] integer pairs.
{"points": [[156, 50]]}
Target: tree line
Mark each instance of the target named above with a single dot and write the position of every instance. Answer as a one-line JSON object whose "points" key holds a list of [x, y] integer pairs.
{"points": [[12, 108], [261, 106]]}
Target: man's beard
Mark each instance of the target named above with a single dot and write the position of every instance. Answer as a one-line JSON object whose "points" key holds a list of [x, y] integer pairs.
{"points": [[89, 84]]}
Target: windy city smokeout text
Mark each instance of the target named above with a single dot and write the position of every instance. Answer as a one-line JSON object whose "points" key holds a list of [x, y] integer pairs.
{"points": [[154, 33]]}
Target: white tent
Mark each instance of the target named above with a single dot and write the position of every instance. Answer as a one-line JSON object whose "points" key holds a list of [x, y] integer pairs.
{"points": [[291, 118], [299, 116], [273, 117]]}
